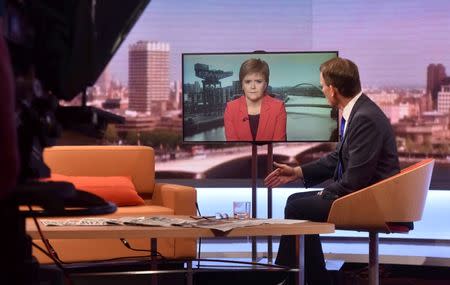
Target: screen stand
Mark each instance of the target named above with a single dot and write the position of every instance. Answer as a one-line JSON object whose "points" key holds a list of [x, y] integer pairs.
{"points": [[254, 189], [269, 200], [254, 198]]}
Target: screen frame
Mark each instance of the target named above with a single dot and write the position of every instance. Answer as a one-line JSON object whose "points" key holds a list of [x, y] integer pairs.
{"points": [[258, 142]]}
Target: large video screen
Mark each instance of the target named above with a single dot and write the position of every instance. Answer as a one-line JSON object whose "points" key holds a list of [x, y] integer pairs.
{"points": [[218, 107]]}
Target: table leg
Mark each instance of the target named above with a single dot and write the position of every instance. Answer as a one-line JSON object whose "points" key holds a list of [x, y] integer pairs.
{"points": [[190, 273], [153, 261], [254, 250], [301, 260], [269, 250]]}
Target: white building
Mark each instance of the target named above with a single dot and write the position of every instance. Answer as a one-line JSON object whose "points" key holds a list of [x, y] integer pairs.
{"points": [[443, 104]]}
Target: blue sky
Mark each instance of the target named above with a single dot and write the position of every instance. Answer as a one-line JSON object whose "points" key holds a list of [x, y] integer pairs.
{"points": [[391, 41]]}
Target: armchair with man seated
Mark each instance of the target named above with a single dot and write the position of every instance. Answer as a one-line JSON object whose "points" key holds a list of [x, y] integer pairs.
{"points": [[389, 206], [124, 175]]}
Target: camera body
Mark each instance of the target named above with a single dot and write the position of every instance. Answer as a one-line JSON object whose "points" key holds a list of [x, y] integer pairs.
{"points": [[35, 106]]}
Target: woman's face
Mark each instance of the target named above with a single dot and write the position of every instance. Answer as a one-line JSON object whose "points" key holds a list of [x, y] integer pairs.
{"points": [[254, 86]]}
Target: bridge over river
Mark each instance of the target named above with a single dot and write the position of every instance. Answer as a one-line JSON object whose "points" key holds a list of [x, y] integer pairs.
{"points": [[228, 162]]}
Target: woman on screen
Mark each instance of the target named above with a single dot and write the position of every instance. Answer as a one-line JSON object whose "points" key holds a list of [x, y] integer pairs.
{"points": [[255, 116]]}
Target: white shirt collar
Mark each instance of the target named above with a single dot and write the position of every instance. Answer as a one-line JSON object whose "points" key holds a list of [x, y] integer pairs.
{"points": [[348, 108]]}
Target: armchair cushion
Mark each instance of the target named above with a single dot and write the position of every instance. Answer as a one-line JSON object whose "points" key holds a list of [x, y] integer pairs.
{"points": [[117, 189]]}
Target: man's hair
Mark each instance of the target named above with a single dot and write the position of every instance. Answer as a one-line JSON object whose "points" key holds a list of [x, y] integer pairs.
{"points": [[254, 65], [342, 74]]}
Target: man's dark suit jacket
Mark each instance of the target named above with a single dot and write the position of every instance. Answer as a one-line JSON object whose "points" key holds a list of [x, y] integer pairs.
{"points": [[368, 153]]}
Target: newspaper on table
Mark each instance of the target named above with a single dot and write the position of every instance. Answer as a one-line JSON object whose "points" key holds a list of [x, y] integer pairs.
{"points": [[80, 222], [223, 225]]}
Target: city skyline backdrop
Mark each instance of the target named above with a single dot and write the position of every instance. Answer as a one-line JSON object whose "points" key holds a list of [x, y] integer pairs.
{"points": [[392, 42]]}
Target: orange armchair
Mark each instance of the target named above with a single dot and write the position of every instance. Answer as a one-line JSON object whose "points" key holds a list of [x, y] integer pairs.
{"points": [[137, 163], [381, 206]]}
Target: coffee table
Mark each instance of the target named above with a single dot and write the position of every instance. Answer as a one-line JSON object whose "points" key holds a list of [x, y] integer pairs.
{"points": [[98, 232]]}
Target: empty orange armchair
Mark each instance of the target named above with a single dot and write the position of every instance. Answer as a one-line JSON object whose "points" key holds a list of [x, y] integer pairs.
{"points": [[124, 175], [384, 206]]}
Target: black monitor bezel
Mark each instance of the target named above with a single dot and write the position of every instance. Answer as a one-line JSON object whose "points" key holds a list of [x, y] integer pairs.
{"points": [[240, 141]]}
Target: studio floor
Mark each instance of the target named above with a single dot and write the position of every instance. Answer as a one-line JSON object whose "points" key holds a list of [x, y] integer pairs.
{"points": [[349, 274]]}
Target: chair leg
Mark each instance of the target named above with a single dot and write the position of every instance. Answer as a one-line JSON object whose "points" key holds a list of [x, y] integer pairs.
{"points": [[373, 258]]}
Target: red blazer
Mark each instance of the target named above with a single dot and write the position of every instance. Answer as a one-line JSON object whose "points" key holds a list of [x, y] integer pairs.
{"points": [[272, 120]]}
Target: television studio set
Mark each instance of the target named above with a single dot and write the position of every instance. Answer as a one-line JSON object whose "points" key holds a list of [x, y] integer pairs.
{"points": [[224, 142]]}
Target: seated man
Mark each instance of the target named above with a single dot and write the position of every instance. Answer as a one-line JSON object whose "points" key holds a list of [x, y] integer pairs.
{"points": [[366, 153]]}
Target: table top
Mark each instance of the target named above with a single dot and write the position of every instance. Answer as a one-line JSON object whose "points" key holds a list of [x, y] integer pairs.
{"points": [[113, 231]]}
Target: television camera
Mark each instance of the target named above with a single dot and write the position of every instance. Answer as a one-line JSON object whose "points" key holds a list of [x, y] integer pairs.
{"points": [[57, 49]]}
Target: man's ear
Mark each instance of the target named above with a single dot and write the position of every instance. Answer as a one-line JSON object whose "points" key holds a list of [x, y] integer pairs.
{"points": [[333, 90]]}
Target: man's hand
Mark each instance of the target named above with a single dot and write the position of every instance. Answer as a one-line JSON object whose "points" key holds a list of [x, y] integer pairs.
{"points": [[282, 175]]}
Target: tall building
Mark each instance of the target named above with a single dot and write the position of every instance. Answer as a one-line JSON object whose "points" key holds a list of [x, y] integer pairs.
{"points": [[443, 105], [237, 88], [435, 74], [148, 76], [176, 94]]}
